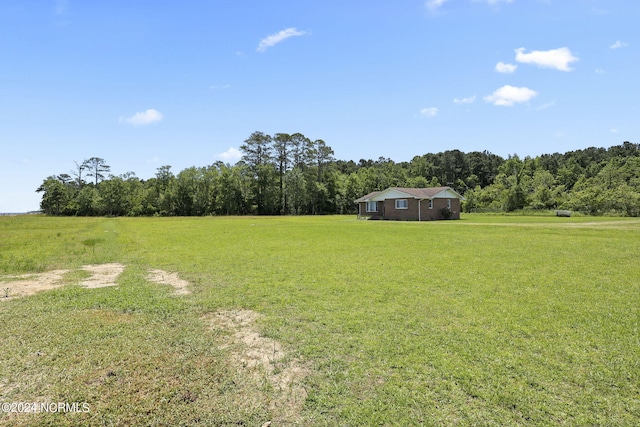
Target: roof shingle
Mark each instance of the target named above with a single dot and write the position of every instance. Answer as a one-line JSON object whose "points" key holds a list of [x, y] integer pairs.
{"points": [[418, 193]]}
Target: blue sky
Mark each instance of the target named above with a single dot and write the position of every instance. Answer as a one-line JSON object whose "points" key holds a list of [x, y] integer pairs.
{"points": [[146, 83]]}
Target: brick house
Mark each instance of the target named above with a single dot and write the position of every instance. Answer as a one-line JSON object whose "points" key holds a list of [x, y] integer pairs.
{"points": [[411, 204]]}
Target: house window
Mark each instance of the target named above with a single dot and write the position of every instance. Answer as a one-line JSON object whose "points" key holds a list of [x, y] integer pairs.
{"points": [[372, 206], [448, 203], [430, 203], [402, 204]]}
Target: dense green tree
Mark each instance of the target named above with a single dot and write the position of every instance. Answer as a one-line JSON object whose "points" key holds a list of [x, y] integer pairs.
{"points": [[258, 157], [193, 191], [296, 190], [300, 150], [544, 192], [55, 196], [87, 201], [113, 197], [233, 189], [282, 148], [160, 198]]}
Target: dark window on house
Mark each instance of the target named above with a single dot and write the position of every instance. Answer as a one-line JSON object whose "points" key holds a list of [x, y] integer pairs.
{"points": [[402, 204], [372, 206]]}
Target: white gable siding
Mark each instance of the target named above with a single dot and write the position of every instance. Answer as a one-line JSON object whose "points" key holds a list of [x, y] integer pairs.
{"points": [[391, 193], [446, 194]]}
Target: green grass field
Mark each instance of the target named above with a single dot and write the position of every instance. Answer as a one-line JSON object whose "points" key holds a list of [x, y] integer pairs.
{"points": [[487, 321]]}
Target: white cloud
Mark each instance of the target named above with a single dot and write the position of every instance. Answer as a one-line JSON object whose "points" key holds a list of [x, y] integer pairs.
{"points": [[217, 87], [508, 95], [232, 154], [554, 58], [614, 130], [433, 5], [619, 44], [429, 112], [276, 38], [467, 100], [143, 118], [600, 71], [501, 67]]}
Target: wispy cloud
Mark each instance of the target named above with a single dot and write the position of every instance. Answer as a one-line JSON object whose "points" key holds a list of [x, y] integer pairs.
{"points": [[547, 105], [278, 37], [232, 154], [508, 95], [433, 5], [219, 87], [558, 59], [600, 71], [501, 67], [467, 100], [618, 45], [143, 118], [429, 112]]}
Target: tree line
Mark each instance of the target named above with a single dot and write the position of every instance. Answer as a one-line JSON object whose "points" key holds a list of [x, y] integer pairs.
{"points": [[288, 174]]}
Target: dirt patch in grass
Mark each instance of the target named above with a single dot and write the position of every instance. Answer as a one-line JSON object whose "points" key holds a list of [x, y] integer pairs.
{"points": [[102, 275], [277, 377], [165, 278], [29, 284]]}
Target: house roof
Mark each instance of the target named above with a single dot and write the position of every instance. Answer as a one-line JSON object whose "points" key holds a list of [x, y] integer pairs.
{"points": [[367, 197], [416, 193], [422, 193]]}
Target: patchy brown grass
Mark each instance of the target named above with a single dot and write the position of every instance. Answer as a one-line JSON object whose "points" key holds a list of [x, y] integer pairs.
{"points": [[276, 377], [165, 278], [102, 275], [99, 276], [29, 284], [267, 379]]}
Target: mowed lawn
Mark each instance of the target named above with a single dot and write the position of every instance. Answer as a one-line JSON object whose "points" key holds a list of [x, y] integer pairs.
{"points": [[490, 320]]}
